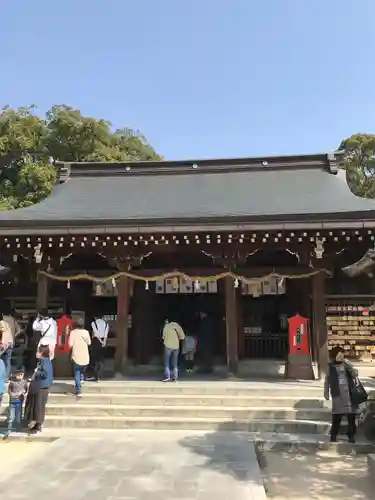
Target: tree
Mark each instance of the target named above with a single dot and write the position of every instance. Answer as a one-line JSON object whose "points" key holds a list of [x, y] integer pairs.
{"points": [[360, 163], [29, 142]]}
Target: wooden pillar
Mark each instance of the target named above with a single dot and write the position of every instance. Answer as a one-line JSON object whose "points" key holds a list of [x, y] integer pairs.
{"points": [[231, 325], [319, 330], [123, 293], [240, 324], [42, 292], [144, 324]]}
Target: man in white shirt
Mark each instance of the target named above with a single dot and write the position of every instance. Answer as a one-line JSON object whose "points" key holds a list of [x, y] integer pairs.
{"points": [[100, 329], [79, 342], [47, 327]]}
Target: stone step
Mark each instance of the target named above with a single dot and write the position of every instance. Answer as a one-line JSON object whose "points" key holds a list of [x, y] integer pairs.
{"points": [[181, 400], [237, 413], [236, 389], [175, 423]]}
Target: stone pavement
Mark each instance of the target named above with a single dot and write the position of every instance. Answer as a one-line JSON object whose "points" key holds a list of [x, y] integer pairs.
{"points": [[165, 465]]}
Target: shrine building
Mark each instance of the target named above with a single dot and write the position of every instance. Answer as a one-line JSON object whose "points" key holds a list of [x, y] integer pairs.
{"points": [[249, 241]]}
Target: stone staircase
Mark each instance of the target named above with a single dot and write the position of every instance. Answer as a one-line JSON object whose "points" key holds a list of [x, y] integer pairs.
{"points": [[271, 407]]}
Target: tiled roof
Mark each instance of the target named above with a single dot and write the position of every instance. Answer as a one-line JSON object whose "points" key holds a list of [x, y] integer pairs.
{"points": [[255, 189]]}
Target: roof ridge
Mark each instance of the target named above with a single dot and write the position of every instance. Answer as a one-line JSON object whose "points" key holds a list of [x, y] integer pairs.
{"points": [[327, 161]]}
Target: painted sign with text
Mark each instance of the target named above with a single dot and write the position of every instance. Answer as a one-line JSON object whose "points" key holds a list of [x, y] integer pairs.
{"points": [[298, 333], [64, 327]]}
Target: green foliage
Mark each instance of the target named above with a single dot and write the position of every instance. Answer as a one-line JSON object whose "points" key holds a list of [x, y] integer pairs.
{"points": [[28, 142], [360, 163]]}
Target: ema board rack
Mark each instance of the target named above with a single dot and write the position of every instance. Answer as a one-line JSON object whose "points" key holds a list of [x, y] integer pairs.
{"points": [[351, 325]]}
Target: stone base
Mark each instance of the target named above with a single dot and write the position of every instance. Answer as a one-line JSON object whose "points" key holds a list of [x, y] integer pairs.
{"points": [[62, 366], [299, 366], [371, 468]]}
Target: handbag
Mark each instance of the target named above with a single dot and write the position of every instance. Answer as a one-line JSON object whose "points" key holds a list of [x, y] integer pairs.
{"points": [[358, 394]]}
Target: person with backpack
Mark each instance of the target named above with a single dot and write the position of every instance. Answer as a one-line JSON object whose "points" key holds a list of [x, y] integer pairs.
{"points": [[100, 329], [346, 391]]}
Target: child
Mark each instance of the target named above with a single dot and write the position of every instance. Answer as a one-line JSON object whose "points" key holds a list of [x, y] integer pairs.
{"points": [[188, 350], [17, 390]]}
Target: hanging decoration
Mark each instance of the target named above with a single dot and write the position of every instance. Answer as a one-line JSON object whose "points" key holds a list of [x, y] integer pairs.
{"points": [[319, 248], [198, 281]]}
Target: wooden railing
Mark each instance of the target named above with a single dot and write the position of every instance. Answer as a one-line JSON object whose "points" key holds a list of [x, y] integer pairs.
{"points": [[266, 347]]}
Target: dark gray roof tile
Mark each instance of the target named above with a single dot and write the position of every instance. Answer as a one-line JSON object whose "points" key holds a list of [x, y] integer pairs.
{"points": [[283, 194]]}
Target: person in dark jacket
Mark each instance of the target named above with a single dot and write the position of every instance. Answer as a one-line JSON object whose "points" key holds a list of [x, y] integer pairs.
{"points": [[338, 382], [205, 336], [38, 391], [2, 375]]}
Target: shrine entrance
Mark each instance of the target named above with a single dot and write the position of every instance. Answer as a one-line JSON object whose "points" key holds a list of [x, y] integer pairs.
{"points": [[162, 302], [185, 309]]}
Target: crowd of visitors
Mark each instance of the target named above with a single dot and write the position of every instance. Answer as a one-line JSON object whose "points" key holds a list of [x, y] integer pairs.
{"points": [[28, 398]]}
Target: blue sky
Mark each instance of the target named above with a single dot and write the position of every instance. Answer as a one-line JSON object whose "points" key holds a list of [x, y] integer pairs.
{"points": [[200, 78]]}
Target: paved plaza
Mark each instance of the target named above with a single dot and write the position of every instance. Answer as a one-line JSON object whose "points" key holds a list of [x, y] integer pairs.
{"points": [[139, 465]]}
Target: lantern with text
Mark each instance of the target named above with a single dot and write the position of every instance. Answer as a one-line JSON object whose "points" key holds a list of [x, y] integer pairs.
{"points": [[64, 326], [299, 364]]}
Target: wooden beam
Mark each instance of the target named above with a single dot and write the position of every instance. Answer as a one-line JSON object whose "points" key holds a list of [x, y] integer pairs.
{"points": [[42, 292], [121, 353], [231, 326]]}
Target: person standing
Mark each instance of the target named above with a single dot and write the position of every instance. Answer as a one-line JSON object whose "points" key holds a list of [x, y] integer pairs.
{"points": [[2, 373], [79, 342], [100, 329], [46, 326], [37, 397], [9, 338], [172, 335], [339, 379]]}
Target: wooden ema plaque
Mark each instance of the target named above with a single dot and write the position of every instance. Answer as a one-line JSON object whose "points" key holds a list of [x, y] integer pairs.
{"points": [[299, 364]]}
